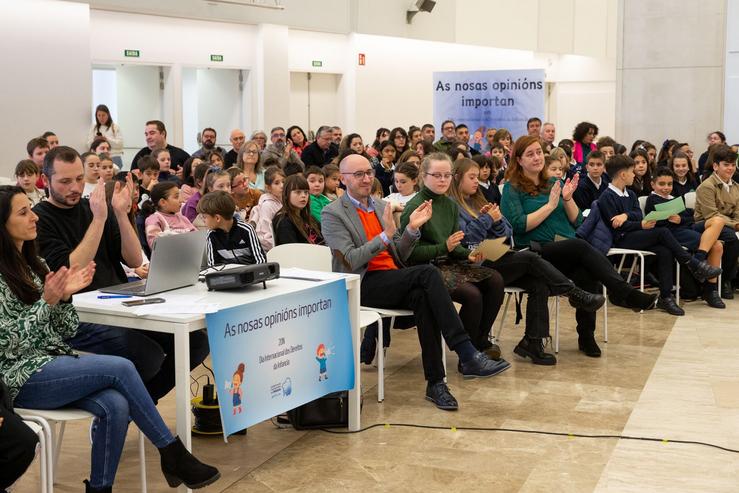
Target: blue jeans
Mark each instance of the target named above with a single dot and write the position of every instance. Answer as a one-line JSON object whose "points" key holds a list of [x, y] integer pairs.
{"points": [[108, 387], [151, 352]]}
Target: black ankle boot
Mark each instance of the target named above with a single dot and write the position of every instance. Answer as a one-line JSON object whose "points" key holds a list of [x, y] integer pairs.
{"points": [[534, 349], [180, 466], [90, 489], [586, 343]]}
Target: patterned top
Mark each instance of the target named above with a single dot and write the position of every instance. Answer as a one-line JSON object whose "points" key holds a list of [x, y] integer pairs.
{"points": [[31, 335]]}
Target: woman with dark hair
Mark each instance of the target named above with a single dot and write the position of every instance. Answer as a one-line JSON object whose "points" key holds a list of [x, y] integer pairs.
{"points": [[104, 127], [399, 137], [294, 223], [713, 138], [381, 136], [43, 372], [540, 209], [424, 148], [583, 138], [298, 138], [353, 142], [480, 220]]}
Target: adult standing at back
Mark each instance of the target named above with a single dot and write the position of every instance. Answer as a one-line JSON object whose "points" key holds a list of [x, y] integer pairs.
{"points": [[105, 127], [74, 231], [156, 138], [322, 151], [236, 138]]}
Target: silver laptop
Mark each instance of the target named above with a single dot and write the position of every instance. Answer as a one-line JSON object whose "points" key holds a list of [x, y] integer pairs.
{"points": [[175, 263]]}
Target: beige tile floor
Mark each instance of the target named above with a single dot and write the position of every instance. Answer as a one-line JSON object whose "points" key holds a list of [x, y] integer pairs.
{"points": [[653, 380]]}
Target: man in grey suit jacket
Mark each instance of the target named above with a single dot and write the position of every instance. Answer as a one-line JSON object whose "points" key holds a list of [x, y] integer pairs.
{"points": [[362, 235]]}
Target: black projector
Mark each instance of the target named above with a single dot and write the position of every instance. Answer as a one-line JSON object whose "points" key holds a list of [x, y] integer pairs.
{"points": [[239, 277]]}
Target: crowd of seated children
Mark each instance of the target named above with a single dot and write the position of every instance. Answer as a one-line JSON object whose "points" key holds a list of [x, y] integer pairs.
{"points": [[621, 213], [705, 245], [296, 222], [231, 240]]}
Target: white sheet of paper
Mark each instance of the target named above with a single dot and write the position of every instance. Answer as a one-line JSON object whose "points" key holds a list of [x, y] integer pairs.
{"points": [[176, 309], [310, 274]]}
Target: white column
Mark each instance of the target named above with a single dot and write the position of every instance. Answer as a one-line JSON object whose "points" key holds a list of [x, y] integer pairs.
{"points": [[272, 77]]}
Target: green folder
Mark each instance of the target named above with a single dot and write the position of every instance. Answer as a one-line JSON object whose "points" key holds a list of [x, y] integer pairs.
{"points": [[674, 206]]}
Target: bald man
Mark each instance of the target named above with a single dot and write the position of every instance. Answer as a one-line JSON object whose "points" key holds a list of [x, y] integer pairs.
{"points": [[362, 236], [236, 138]]}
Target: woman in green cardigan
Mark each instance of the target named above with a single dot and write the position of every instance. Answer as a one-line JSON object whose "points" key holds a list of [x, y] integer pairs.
{"points": [[544, 216], [478, 289]]}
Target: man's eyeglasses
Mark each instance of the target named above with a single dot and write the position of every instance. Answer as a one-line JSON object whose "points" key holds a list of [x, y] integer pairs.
{"points": [[439, 176], [359, 175]]}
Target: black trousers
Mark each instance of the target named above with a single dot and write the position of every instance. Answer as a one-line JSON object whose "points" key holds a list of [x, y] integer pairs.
{"points": [[421, 289], [540, 279], [17, 448], [588, 269], [665, 247], [481, 302]]}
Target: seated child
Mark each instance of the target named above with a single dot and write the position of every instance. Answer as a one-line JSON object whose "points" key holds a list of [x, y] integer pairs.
{"points": [[214, 179], [91, 163], [332, 179], [406, 184], [244, 196], [718, 196], [37, 149], [554, 167], [593, 183], [295, 223], [641, 185], [684, 181], [489, 167], [269, 204], [621, 213], [318, 201], [376, 191], [165, 165], [230, 239], [162, 212], [149, 173], [26, 175], [107, 167], [607, 146], [706, 246]]}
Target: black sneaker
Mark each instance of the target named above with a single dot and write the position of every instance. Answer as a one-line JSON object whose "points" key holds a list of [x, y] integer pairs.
{"points": [[713, 299], [534, 349], [668, 304], [702, 270], [482, 367], [589, 302], [727, 290], [586, 343], [439, 394]]}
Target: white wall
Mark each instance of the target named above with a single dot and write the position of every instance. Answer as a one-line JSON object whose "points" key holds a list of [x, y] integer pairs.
{"points": [[46, 82], [105, 91], [731, 74], [670, 72]]}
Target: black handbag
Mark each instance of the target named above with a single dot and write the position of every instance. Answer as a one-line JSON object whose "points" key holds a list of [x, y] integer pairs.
{"points": [[329, 411]]}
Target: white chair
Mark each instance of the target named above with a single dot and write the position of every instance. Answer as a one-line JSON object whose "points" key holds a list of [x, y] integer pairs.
{"points": [[62, 416], [511, 291], [41, 428], [643, 203], [689, 199]]}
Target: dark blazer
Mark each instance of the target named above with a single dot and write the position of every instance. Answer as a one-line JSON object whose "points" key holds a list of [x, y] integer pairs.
{"points": [[315, 156]]}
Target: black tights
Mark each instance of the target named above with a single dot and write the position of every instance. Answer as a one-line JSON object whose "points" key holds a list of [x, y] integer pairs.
{"points": [[480, 302]]}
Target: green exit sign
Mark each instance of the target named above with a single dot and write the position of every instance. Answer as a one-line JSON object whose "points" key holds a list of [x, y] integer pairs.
{"points": [[132, 53], [216, 58], [317, 63]]}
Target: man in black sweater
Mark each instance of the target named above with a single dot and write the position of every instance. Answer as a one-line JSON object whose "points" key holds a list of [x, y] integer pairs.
{"points": [[156, 138], [620, 211], [322, 151], [74, 231]]}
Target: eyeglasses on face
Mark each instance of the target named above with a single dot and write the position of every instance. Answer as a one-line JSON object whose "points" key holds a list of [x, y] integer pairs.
{"points": [[440, 176], [358, 175]]}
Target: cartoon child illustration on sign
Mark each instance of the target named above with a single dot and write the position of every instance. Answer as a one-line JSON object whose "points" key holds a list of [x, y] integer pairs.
{"points": [[235, 388], [321, 357]]}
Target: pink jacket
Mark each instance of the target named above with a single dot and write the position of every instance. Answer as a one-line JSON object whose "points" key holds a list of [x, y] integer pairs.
{"points": [[161, 223], [262, 215], [577, 151]]}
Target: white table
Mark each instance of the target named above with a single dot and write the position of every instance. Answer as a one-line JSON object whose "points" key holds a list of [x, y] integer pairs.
{"points": [[181, 325]]}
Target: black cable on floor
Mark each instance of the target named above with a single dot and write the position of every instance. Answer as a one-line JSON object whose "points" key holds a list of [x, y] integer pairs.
{"points": [[531, 432]]}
